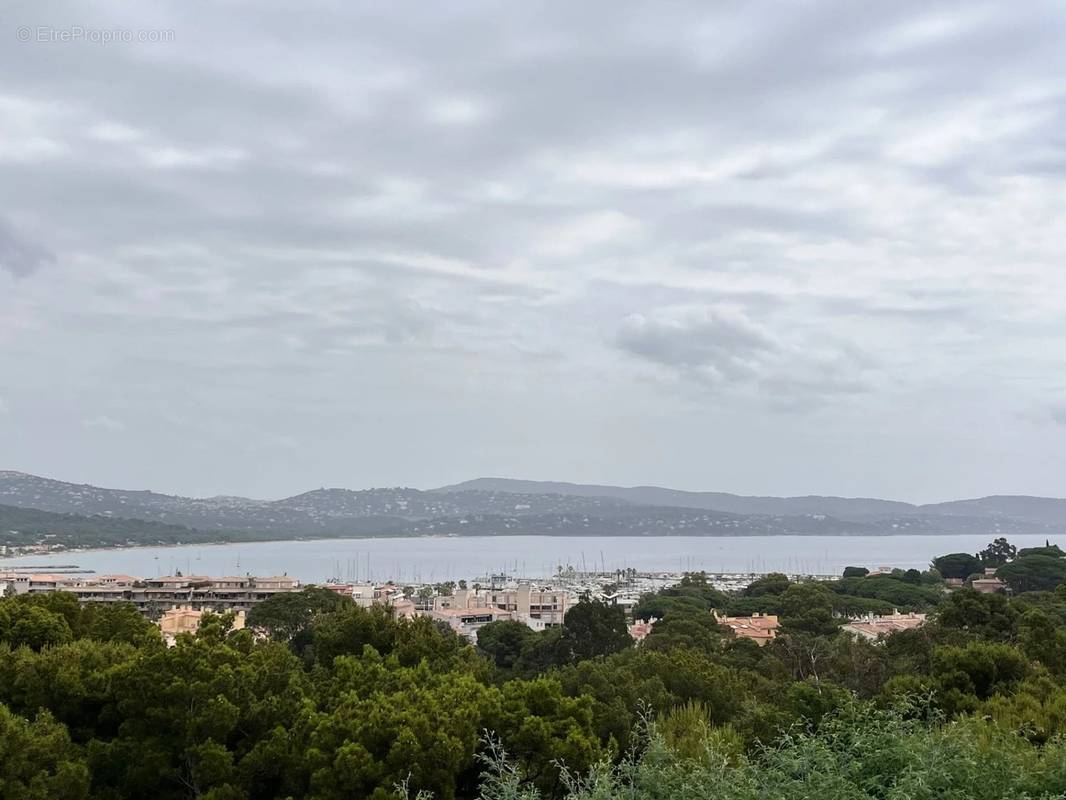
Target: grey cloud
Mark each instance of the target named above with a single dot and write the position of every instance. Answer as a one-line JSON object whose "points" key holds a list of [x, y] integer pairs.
{"points": [[720, 343], [18, 255], [904, 307], [725, 350]]}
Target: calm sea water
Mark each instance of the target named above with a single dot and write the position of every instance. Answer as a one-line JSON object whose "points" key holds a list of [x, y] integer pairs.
{"points": [[429, 559]]}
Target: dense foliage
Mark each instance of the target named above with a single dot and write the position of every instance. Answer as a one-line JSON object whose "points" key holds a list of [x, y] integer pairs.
{"points": [[22, 527], [331, 700]]}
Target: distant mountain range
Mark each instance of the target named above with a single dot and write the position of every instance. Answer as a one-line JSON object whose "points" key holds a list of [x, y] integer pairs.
{"points": [[1044, 510], [489, 506]]}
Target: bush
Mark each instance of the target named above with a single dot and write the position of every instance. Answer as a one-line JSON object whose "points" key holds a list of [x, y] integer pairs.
{"points": [[859, 753]]}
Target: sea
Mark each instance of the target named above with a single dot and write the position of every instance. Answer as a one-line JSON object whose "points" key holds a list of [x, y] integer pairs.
{"points": [[436, 559]]}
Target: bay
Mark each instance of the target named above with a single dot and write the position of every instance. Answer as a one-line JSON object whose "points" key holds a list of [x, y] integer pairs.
{"points": [[434, 559]]}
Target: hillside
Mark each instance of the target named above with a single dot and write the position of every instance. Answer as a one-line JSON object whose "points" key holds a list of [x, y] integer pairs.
{"points": [[26, 526], [1008, 509], [843, 507], [318, 512], [1048, 510], [81, 515]]}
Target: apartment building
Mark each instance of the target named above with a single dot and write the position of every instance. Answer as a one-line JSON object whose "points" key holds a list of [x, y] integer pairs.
{"points": [[153, 596], [546, 606]]}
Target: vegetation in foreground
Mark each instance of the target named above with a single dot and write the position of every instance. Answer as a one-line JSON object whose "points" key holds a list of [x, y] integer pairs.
{"points": [[337, 701]]}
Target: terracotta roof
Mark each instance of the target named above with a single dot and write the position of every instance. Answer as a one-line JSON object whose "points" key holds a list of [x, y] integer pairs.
{"points": [[760, 627], [640, 630], [872, 627]]}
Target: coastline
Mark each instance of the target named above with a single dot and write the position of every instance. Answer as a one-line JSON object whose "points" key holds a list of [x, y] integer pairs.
{"points": [[508, 535]]}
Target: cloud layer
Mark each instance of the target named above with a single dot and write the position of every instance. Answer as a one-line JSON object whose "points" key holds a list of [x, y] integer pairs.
{"points": [[818, 249], [19, 256]]}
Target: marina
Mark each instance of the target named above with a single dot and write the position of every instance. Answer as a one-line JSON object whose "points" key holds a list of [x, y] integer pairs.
{"points": [[421, 560]]}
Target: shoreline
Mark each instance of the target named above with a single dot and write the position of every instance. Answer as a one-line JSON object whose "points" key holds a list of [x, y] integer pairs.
{"points": [[386, 537]]}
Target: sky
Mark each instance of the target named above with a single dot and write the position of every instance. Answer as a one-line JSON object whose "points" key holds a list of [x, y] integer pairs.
{"points": [[803, 248]]}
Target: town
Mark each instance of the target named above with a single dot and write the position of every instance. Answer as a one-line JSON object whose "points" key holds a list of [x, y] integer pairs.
{"points": [[177, 602]]}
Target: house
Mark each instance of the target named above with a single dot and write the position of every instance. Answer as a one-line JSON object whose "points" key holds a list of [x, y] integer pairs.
{"points": [[640, 630], [467, 621], [185, 619], [761, 628], [988, 585], [873, 627]]}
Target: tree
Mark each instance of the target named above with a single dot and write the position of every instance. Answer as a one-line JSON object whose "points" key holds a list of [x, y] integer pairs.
{"points": [[695, 580], [114, 622], [1033, 573], [348, 631], [38, 761], [544, 730], [351, 630], [694, 631], [592, 628], [545, 650], [855, 572], [693, 594], [976, 672], [898, 592], [657, 605], [1040, 639], [989, 616], [808, 608], [773, 583], [998, 553], [504, 640], [912, 576], [387, 723], [74, 681], [285, 616], [30, 624], [957, 565], [804, 654], [191, 714], [688, 731], [857, 664], [1052, 550]]}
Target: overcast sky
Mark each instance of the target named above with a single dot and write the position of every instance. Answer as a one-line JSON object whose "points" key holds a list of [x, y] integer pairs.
{"points": [[761, 248]]}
